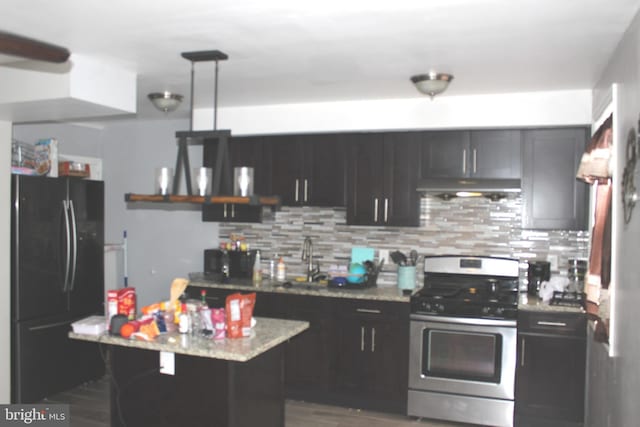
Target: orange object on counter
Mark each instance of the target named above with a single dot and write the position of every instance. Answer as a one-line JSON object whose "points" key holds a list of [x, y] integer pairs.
{"points": [[129, 328]]}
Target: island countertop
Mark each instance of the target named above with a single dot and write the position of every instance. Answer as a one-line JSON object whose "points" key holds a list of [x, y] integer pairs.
{"points": [[376, 293], [266, 334]]}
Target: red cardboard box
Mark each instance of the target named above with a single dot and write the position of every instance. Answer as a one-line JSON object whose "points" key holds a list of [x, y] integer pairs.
{"points": [[121, 301]]}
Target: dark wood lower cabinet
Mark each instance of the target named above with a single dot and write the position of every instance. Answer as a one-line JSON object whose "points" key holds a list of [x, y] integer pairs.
{"points": [[355, 352], [550, 377], [203, 391], [372, 362]]}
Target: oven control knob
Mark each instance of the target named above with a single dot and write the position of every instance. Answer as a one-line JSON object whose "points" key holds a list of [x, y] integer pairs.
{"points": [[486, 311], [499, 311], [438, 308], [427, 307]]}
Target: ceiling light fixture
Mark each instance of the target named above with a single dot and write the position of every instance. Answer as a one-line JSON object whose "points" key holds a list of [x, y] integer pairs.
{"points": [[433, 83], [165, 101]]}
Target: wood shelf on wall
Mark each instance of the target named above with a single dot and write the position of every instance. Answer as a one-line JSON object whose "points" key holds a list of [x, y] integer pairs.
{"points": [[271, 201]]}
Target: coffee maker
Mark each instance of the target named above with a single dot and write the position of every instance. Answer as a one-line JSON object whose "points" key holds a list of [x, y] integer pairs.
{"points": [[539, 271]]}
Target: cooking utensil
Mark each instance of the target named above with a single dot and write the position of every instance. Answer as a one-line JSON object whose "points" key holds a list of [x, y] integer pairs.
{"points": [[413, 256], [398, 258]]}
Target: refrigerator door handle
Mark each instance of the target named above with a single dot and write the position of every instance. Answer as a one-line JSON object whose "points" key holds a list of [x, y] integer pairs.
{"points": [[74, 240], [68, 246], [50, 325]]}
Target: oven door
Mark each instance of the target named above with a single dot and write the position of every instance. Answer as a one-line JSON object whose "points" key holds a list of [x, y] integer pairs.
{"points": [[467, 356]]}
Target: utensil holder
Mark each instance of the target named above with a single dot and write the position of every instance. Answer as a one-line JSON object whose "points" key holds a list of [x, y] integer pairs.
{"points": [[406, 277]]}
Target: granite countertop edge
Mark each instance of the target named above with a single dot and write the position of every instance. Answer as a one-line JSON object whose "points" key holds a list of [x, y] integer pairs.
{"points": [[533, 303], [379, 293], [267, 334]]}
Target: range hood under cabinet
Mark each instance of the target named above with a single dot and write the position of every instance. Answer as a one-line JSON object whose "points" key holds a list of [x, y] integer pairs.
{"points": [[492, 188]]}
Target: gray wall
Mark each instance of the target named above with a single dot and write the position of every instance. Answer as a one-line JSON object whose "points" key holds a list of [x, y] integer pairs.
{"points": [[617, 384], [164, 242], [79, 140]]}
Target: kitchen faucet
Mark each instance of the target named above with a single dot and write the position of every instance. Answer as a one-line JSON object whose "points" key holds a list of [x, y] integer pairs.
{"points": [[307, 255]]}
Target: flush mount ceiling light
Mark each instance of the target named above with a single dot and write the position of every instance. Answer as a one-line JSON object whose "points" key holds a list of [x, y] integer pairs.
{"points": [[165, 101], [433, 83]]}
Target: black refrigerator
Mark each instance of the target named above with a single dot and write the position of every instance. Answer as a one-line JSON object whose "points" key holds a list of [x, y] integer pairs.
{"points": [[57, 264]]}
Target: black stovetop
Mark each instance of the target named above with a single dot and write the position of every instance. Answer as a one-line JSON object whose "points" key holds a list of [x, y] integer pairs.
{"points": [[467, 296]]}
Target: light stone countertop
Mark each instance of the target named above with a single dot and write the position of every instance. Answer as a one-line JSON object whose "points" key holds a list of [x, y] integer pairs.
{"points": [[379, 293], [266, 334], [532, 303]]}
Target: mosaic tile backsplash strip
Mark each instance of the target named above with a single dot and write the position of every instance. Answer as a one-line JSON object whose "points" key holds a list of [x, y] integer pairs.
{"points": [[475, 226]]}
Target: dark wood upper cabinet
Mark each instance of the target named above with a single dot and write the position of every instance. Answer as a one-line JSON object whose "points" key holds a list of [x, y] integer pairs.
{"points": [[495, 154], [553, 198], [243, 151], [383, 177], [309, 170], [443, 154], [478, 154]]}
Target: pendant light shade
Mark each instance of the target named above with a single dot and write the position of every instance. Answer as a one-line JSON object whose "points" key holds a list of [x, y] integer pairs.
{"points": [[433, 83], [165, 101]]}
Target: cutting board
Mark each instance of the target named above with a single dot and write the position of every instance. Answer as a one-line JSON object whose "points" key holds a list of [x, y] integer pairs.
{"points": [[360, 255]]}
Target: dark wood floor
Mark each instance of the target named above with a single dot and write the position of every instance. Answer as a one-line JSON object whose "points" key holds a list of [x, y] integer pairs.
{"points": [[90, 408]]}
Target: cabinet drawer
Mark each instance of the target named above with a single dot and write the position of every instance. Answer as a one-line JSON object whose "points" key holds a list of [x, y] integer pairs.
{"points": [[397, 310], [572, 324]]}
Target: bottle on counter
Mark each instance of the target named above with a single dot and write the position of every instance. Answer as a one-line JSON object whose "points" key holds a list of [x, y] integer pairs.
{"points": [[281, 273], [257, 268], [183, 325], [203, 297]]}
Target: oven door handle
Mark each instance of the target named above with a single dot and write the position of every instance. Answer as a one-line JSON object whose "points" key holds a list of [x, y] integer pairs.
{"points": [[465, 320]]}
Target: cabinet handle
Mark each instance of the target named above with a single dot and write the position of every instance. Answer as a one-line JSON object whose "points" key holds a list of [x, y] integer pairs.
{"points": [[464, 161], [306, 190], [375, 210], [386, 208], [373, 340], [233, 210], [522, 352], [475, 160], [368, 310], [297, 189], [362, 338], [545, 323], [224, 213]]}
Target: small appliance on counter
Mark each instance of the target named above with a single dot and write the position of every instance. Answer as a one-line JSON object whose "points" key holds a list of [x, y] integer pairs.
{"points": [[233, 264], [538, 272]]}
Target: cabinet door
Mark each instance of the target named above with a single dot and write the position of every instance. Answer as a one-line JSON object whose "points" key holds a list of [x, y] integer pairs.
{"points": [[244, 151], [253, 152], [553, 197], [372, 365], [324, 179], [308, 355], [365, 191], [444, 154], [386, 374], [550, 378], [400, 203], [286, 167], [495, 154], [231, 212]]}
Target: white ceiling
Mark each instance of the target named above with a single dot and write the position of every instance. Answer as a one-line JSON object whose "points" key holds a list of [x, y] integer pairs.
{"points": [[291, 51]]}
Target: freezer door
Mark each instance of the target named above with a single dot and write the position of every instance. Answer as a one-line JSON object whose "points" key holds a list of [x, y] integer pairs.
{"points": [[44, 361], [86, 210], [40, 245]]}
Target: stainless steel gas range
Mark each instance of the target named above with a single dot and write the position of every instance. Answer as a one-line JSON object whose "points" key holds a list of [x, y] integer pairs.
{"points": [[463, 340]]}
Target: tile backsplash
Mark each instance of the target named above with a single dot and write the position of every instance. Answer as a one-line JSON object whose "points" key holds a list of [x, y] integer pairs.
{"points": [[475, 226]]}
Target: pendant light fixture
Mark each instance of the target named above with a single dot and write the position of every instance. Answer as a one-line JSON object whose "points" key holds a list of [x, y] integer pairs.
{"points": [[165, 101], [432, 83]]}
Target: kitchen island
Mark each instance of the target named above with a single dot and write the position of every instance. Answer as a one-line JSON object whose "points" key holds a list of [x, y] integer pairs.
{"points": [[231, 382]]}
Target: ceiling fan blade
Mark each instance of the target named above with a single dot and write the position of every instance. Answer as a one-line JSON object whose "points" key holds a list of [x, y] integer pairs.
{"points": [[15, 45]]}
